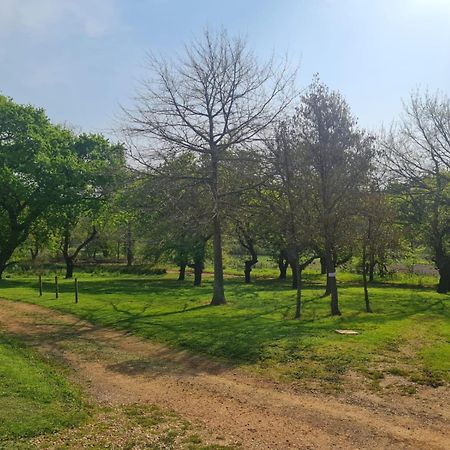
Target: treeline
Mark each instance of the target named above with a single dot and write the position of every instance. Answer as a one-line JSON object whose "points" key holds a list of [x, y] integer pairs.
{"points": [[51, 179], [224, 148]]}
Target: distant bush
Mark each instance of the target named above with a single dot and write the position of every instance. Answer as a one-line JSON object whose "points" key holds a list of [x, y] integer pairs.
{"points": [[26, 267], [142, 270]]}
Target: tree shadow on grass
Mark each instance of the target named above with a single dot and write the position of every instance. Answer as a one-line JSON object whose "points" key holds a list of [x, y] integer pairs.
{"points": [[403, 285], [135, 316], [257, 317], [59, 340]]}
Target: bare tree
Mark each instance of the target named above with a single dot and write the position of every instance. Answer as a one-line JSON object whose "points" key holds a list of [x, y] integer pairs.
{"points": [[211, 102], [416, 153]]}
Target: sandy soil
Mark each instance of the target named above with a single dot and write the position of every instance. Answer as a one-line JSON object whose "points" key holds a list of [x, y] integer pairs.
{"points": [[117, 369]]}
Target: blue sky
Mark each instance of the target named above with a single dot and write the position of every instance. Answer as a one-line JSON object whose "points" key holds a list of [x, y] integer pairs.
{"points": [[81, 59]]}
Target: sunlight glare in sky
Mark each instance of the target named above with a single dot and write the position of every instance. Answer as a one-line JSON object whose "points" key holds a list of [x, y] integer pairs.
{"points": [[81, 59]]}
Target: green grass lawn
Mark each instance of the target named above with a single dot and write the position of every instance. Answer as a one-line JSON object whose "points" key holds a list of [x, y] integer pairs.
{"points": [[34, 397], [39, 409], [408, 333]]}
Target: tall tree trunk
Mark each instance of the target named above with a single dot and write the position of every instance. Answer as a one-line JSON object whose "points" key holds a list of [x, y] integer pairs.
{"points": [[444, 280], [323, 265], [329, 283], [247, 272], [182, 272], [444, 275], [34, 253], [5, 262], [71, 258], [294, 268], [249, 264], [70, 265], [442, 259], [219, 289], [118, 251], [199, 259], [364, 274], [298, 306], [198, 271], [14, 241], [327, 287], [332, 284], [324, 260], [335, 262], [282, 266], [65, 251], [371, 265], [130, 255], [2, 269]]}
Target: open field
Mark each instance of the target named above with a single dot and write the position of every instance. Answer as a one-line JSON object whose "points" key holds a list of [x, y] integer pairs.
{"points": [[406, 336], [147, 395], [148, 364]]}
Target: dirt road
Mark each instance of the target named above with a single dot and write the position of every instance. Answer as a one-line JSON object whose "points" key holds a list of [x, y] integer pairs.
{"points": [[116, 369]]}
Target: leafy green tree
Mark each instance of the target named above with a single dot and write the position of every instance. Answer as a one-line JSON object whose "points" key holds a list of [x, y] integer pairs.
{"points": [[35, 158], [337, 161], [97, 168], [46, 172], [41, 236]]}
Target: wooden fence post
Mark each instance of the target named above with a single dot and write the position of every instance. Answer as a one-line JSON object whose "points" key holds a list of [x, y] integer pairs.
{"points": [[76, 290], [56, 287]]}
